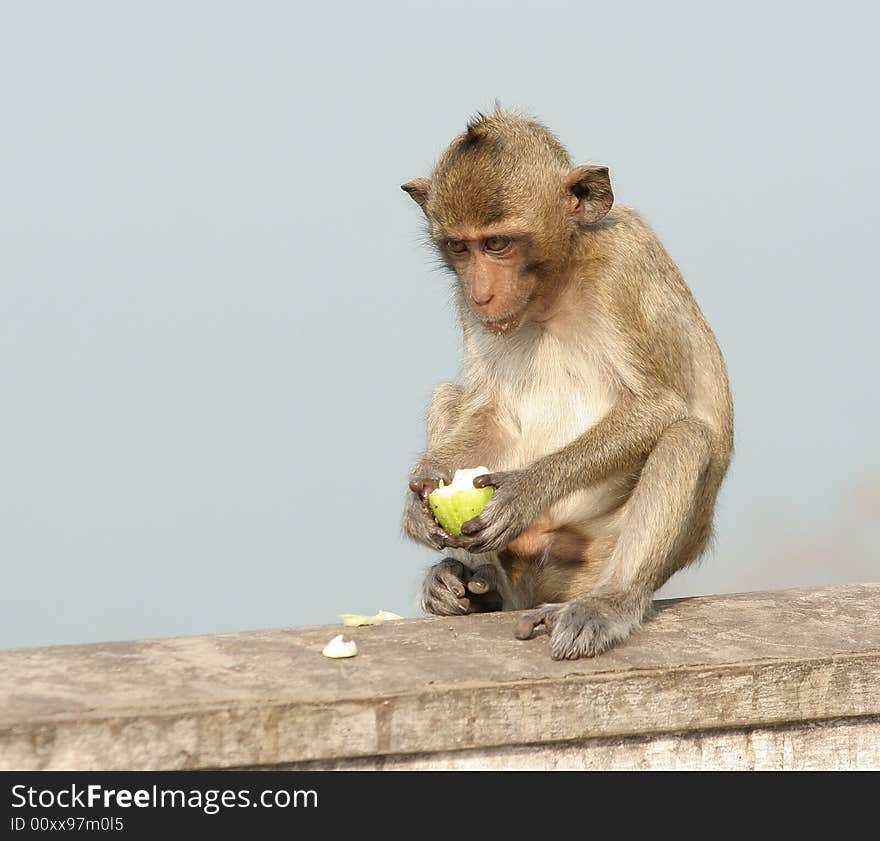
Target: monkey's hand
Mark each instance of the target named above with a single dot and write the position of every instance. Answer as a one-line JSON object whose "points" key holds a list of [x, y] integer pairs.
{"points": [[418, 519], [512, 509], [451, 589], [587, 626]]}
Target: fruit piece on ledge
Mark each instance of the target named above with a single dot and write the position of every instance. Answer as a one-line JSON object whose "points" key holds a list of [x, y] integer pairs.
{"points": [[338, 648]]}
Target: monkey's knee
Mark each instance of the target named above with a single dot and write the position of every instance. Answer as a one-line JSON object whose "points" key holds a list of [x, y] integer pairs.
{"points": [[695, 538], [690, 437]]}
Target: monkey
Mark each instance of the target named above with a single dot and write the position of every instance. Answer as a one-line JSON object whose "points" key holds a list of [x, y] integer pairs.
{"points": [[593, 389]]}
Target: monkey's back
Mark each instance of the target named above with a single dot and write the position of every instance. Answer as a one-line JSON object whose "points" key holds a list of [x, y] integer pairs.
{"points": [[651, 304]]}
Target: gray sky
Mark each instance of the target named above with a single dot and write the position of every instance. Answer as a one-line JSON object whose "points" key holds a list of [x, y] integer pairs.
{"points": [[219, 329]]}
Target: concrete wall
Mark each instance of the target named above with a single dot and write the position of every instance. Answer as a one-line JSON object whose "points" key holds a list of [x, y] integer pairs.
{"points": [[788, 679]]}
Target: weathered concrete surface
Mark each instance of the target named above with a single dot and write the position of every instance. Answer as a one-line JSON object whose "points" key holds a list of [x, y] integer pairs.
{"points": [[728, 674], [840, 744]]}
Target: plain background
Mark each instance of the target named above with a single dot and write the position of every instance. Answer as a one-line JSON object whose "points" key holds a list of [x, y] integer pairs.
{"points": [[219, 327]]}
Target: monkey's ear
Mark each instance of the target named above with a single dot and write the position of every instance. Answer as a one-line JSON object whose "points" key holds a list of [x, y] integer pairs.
{"points": [[588, 192], [418, 190]]}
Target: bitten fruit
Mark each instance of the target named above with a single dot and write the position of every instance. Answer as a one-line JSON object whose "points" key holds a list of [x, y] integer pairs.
{"points": [[459, 502]]}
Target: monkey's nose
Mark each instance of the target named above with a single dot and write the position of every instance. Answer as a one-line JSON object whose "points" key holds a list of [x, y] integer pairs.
{"points": [[482, 300]]}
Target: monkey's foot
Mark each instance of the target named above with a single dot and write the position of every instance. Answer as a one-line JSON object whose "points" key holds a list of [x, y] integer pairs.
{"points": [[585, 627], [451, 589]]}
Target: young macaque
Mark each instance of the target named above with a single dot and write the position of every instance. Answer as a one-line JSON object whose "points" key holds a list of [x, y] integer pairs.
{"points": [[593, 389]]}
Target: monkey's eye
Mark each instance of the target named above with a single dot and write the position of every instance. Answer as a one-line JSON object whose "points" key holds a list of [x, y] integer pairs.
{"points": [[456, 246], [497, 243]]}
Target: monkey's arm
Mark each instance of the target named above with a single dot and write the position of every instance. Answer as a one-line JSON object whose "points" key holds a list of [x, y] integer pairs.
{"points": [[621, 440], [449, 588], [455, 435]]}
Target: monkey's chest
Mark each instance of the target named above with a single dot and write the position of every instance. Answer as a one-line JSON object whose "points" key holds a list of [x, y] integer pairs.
{"points": [[544, 413], [544, 416]]}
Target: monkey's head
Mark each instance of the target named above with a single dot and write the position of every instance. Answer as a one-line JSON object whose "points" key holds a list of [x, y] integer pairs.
{"points": [[505, 208]]}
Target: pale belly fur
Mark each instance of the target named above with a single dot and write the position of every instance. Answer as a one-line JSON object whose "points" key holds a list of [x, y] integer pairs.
{"points": [[562, 394]]}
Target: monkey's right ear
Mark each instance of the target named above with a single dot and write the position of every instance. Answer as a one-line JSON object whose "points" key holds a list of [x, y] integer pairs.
{"points": [[418, 190], [589, 194]]}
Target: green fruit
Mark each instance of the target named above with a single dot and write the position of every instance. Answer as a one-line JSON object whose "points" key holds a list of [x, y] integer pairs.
{"points": [[455, 504]]}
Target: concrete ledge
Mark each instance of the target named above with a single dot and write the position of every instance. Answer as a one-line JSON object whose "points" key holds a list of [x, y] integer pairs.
{"points": [[779, 680], [850, 743]]}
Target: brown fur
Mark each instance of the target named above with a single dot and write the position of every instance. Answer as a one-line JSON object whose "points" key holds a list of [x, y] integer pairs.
{"points": [[594, 390]]}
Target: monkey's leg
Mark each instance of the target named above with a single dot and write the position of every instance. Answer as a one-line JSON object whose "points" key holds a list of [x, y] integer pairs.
{"points": [[671, 502]]}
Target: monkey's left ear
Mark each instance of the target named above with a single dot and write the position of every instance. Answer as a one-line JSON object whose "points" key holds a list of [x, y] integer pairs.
{"points": [[418, 190], [588, 192]]}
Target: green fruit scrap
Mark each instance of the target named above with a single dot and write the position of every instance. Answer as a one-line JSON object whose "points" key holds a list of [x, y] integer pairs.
{"points": [[453, 511], [355, 620]]}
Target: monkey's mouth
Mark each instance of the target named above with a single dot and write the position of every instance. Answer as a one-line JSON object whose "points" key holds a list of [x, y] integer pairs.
{"points": [[502, 326], [506, 324]]}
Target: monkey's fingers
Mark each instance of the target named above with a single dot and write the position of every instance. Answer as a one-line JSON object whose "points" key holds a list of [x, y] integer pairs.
{"points": [[471, 527], [545, 615], [443, 539], [450, 542], [484, 580], [487, 480], [481, 535], [440, 539], [423, 486]]}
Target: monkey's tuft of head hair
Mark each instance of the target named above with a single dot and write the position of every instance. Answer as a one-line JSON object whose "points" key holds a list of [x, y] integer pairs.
{"points": [[473, 124], [504, 164]]}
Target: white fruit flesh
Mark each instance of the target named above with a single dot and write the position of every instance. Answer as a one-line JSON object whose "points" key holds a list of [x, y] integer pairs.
{"points": [[338, 648], [463, 480]]}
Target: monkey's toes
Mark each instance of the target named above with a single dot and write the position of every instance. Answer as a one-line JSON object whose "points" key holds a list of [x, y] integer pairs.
{"points": [[546, 616], [524, 628], [441, 602], [585, 629], [483, 580]]}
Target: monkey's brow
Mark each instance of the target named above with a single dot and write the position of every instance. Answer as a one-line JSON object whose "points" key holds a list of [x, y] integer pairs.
{"points": [[504, 229]]}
